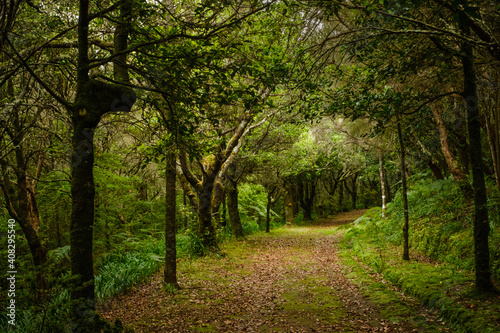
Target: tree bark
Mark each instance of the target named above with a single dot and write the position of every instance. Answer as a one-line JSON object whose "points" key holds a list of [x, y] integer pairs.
{"points": [[224, 211], [218, 197], [232, 204], [205, 230], [307, 192], [184, 202], [272, 191], [387, 187], [93, 99], [458, 175], [268, 211], [483, 281], [295, 197], [406, 246], [435, 169], [353, 190], [382, 181], [170, 272], [82, 223], [289, 202]]}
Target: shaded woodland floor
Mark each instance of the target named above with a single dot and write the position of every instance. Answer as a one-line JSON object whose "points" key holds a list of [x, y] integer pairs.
{"points": [[291, 280]]}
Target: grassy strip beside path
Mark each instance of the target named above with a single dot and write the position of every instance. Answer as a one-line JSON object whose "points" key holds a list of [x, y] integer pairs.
{"points": [[291, 280], [446, 290]]}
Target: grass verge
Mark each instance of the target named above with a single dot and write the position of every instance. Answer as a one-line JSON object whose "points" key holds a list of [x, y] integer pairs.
{"points": [[442, 287]]}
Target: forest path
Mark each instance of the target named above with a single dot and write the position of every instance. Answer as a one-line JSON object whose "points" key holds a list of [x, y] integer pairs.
{"points": [[291, 280]]}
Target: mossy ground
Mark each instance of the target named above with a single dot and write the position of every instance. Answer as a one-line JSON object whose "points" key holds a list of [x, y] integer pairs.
{"points": [[445, 288]]}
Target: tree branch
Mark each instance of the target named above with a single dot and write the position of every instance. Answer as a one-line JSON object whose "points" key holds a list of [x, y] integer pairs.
{"points": [[38, 79]]}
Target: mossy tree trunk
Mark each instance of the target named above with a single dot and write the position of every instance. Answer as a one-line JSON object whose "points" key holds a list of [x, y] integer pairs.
{"points": [[205, 230], [93, 99], [170, 271], [218, 197], [382, 181], [232, 202], [273, 194], [483, 281], [203, 191], [307, 192], [289, 202], [453, 164], [406, 224], [204, 186]]}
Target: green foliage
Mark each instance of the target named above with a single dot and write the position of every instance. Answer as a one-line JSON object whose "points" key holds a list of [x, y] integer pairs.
{"points": [[189, 245], [252, 201], [126, 270], [250, 227]]}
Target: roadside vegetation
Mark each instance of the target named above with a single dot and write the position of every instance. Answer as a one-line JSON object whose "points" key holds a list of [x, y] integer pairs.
{"points": [[440, 273]]}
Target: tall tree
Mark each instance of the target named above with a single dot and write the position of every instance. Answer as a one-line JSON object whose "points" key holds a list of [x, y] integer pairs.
{"points": [[92, 100], [481, 222]]}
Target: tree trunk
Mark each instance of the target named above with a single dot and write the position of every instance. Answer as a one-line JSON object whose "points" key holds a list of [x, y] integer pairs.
{"points": [[232, 202], [82, 223], [353, 190], [458, 175], [92, 100], [406, 246], [205, 230], [387, 187], [382, 181], [289, 202], [268, 211], [435, 169], [295, 197], [234, 214], [341, 195], [184, 202], [218, 197], [188, 192], [170, 272], [224, 211], [481, 224], [307, 191]]}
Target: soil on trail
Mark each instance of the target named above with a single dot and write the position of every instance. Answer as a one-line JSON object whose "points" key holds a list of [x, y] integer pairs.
{"points": [[291, 280]]}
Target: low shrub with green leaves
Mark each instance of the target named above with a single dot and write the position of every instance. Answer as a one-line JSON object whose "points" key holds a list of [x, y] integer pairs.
{"points": [[252, 202], [125, 271]]}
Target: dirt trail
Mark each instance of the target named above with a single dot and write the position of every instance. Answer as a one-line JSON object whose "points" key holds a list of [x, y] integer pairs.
{"points": [[289, 281]]}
